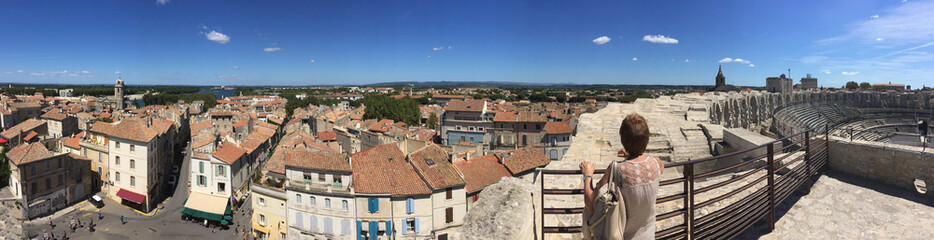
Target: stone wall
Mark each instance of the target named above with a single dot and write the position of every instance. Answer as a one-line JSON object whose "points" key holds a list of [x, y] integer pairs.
{"points": [[892, 164], [505, 210]]}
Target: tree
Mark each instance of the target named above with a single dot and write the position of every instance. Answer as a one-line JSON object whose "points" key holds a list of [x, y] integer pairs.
{"points": [[432, 121], [562, 97], [4, 168], [105, 119], [851, 85], [865, 86], [384, 107]]}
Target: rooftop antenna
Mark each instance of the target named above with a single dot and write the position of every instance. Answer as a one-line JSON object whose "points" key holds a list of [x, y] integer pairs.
{"points": [[789, 73]]}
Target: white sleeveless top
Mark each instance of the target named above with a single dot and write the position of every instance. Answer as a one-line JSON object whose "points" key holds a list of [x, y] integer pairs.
{"points": [[638, 183]]}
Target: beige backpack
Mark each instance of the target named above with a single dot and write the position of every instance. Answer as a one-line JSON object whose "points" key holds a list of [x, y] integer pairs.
{"points": [[608, 220]]}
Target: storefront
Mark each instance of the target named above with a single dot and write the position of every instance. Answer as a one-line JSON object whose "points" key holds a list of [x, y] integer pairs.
{"points": [[201, 206], [134, 200]]}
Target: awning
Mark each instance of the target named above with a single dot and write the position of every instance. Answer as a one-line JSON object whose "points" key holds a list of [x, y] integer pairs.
{"points": [[131, 196], [207, 203]]}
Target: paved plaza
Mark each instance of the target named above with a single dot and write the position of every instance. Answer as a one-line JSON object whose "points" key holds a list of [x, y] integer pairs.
{"points": [[163, 223], [843, 207]]}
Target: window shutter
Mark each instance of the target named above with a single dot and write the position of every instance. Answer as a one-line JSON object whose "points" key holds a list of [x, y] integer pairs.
{"points": [[416, 226], [409, 205], [298, 219], [404, 227], [375, 204], [388, 228], [374, 230], [359, 228], [314, 223]]}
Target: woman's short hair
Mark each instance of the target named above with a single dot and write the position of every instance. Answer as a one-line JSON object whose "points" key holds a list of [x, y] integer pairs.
{"points": [[634, 134]]}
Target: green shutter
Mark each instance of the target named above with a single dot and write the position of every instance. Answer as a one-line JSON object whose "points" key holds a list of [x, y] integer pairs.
{"points": [[201, 166]]}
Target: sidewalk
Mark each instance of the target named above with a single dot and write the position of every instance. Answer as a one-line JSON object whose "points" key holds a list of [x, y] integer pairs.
{"points": [[64, 211]]}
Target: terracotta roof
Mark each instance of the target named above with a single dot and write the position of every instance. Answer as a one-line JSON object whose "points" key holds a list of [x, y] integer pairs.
{"points": [[481, 172], [133, 129], [384, 170], [101, 127], [381, 126], [505, 117], [24, 126], [276, 162], [558, 128], [450, 96], [28, 152], [470, 105], [228, 152], [524, 159], [531, 117], [431, 162], [241, 123], [54, 115], [327, 136], [317, 160], [73, 142]]}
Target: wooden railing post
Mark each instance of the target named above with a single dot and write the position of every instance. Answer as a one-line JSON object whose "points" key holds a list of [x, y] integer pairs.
{"points": [[771, 186], [689, 201]]}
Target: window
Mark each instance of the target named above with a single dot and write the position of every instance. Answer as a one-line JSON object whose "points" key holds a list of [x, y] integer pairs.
{"points": [[202, 181], [298, 199], [449, 194], [117, 145], [538, 127], [220, 171], [322, 178], [338, 183], [443, 237], [328, 225], [48, 183], [132, 164], [200, 166], [33, 169], [344, 205], [470, 128], [480, 129], [221, 187], [61, 180], [373, 205], [409, 205], [281, 235], [100, 156], [262, 202], [525, 140], [312, 201], [327, 203], [99, 170], [554, 154], [59, 162], [132, 181], [117, 160], [33, 188], [47, 165], [313, 221], [449, 215], [306, 178], [132, 148], [117, 176], [525, 126], [262, 219]]}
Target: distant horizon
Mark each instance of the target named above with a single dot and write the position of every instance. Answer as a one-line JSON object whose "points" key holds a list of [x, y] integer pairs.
{"points": [[378, 84], [311, 43]]}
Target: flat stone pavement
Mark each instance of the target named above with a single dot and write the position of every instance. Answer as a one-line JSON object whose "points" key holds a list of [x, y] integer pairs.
{"points": [[844, 207]]}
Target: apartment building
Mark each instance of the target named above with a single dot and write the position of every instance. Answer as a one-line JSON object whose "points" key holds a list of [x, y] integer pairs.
{"points": [[557, 139], [320, 196], [44, 182], [466, 121], [140, 151], [448, 198], [390, 196], [60, 124], [518, 129]]}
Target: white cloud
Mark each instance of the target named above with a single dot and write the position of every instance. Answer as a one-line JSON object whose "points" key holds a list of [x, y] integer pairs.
{"points": [[63, 73], [217, 37], [874, 16], [19, 71], [162, 2], [116, 72], [906, 24], [429, 56], [880, 39], [37, 74], [437, 48], [601, 40], [9, 72], [740, 60], [635, 59], [449, 47], [659, 39], [235, 67], [826, 71], [737, 60], [441, 48], [726, 60], [688, 60], [752, 65], [272, 49], [849, 73], [311, 61]]}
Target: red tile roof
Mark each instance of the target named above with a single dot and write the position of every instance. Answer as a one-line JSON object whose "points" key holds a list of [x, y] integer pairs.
{"points": [[384, 170], [133, 129], [25, 126], [558, 128], [470, 105], [524, 159], [505, 117], [228, 152], [481, 172], [431, 163], [381, 126], [73, 142], [327, 136], [54, 115], [28, 152], [318, 160]]}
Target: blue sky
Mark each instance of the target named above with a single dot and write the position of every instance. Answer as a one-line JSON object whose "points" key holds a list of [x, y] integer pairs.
{"points": [[357, 42]]}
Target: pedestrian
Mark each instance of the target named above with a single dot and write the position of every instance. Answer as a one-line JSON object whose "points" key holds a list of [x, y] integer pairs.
{"points": [[50, 221], [121, 220], [98, 215], [205, 223]]}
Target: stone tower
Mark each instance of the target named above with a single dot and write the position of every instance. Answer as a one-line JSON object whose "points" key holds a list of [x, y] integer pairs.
{"points": [[721, 80], [118, 93]]}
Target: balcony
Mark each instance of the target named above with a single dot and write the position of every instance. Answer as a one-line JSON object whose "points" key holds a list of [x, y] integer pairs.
{"points": [[336, 187]]}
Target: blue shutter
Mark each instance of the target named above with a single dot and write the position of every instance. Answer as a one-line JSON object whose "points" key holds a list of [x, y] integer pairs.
{"points": [[374, 229], [388, 228], [409, 205], [298, 220], [369, 202], [359, 228], [416, 225], [404, 228], [314, 223]]}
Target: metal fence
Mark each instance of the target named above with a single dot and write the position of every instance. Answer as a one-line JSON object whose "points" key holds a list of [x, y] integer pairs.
{"points": [[730, 220]]}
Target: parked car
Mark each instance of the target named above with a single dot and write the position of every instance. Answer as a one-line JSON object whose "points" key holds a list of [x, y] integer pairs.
{"points": [[96, 201], [175, 169]]}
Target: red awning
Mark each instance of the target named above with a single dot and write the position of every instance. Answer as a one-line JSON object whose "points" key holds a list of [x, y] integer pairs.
{"points": [[131, 196]]}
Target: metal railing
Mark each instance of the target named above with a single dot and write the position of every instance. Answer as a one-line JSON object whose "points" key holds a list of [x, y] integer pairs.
{"points": [[734, 218]]}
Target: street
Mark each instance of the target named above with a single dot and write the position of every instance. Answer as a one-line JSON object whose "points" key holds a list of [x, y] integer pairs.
{"points": [[165, 223]]}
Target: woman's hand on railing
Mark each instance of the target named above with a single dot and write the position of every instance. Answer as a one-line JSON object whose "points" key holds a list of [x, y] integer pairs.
{"points": [[587, 168]]}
